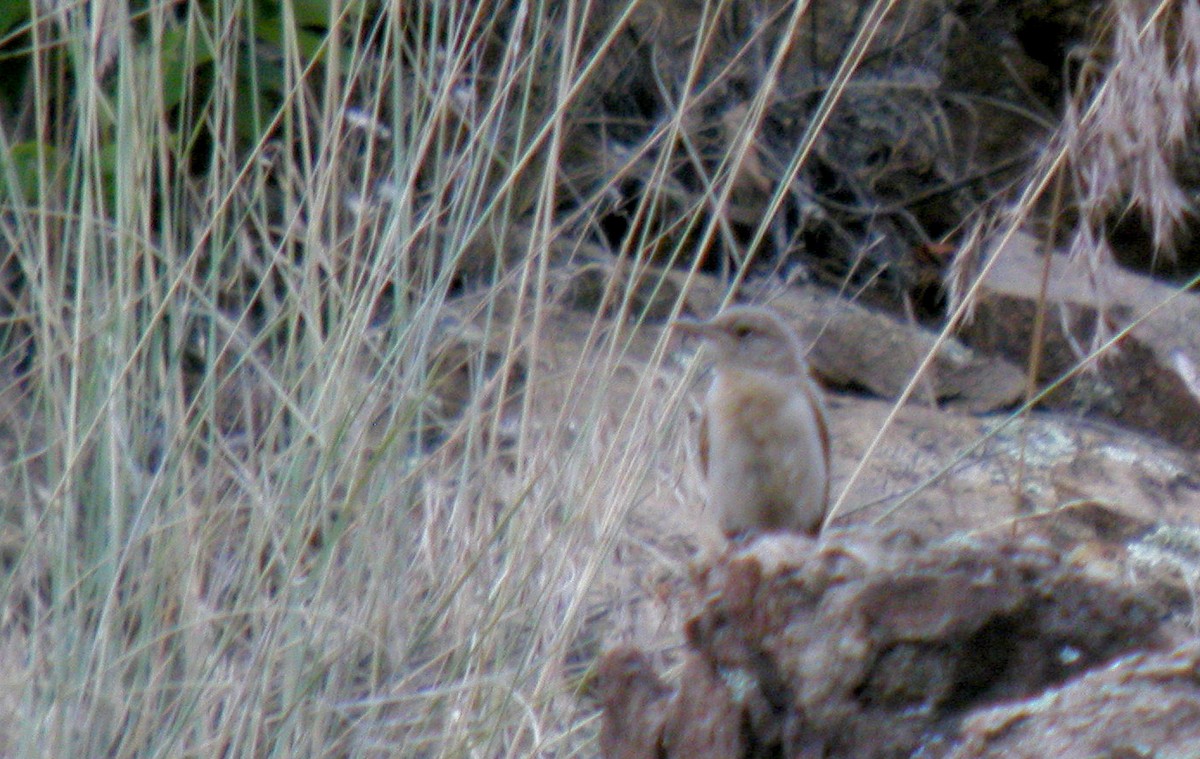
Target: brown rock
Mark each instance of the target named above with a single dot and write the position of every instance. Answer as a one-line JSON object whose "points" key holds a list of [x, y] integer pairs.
{"points": [[1145, 705], [873, 644], [705, 720], [634, 701], [1147, 381], [854, 346]]}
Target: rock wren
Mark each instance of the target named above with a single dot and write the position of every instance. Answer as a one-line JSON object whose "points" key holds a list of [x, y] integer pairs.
{"points": [[764, 443]]}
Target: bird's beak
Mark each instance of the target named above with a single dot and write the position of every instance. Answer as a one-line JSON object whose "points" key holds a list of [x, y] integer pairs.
{"points": [[692, 328]]}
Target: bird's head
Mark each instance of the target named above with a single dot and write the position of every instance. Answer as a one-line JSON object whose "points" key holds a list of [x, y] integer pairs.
{"points": [[749, 338]]}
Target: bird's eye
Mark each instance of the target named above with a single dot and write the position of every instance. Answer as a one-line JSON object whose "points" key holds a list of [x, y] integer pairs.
{"points": [[742, 331]]}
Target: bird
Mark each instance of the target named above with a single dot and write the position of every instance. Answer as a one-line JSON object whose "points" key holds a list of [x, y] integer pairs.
{"points": [[764, 436]]}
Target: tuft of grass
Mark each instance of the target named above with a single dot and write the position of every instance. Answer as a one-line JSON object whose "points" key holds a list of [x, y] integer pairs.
{"points": [[278, 476]]}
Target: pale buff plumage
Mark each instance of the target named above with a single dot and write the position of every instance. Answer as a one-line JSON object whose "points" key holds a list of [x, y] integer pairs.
{"points": [[764, 441]]}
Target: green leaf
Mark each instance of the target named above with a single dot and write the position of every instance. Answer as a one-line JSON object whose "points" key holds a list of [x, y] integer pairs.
{"points": [[311, 13], [12, 12], [180, 59], [272, 31], [21, 164]]}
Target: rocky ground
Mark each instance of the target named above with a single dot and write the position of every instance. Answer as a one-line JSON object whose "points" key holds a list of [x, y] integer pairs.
{"points": [[875, 643], [993, 586], [997, 582]]}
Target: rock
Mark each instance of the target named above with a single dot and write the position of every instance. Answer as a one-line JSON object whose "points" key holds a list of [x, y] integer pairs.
{"points": [[1144, 705], [858, 347], [874, 643], [634, 701], [607, 289], [1143, 382]]}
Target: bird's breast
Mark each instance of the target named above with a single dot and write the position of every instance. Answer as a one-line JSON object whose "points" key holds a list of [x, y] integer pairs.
{"points": [[751, 405], [768, 459]]}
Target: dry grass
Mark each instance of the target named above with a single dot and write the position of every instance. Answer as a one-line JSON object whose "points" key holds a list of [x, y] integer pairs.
{"points": [[251, 507]]}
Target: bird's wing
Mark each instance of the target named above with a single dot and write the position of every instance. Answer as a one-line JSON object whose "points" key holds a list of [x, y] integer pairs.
{"points": [[819, 416]]}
